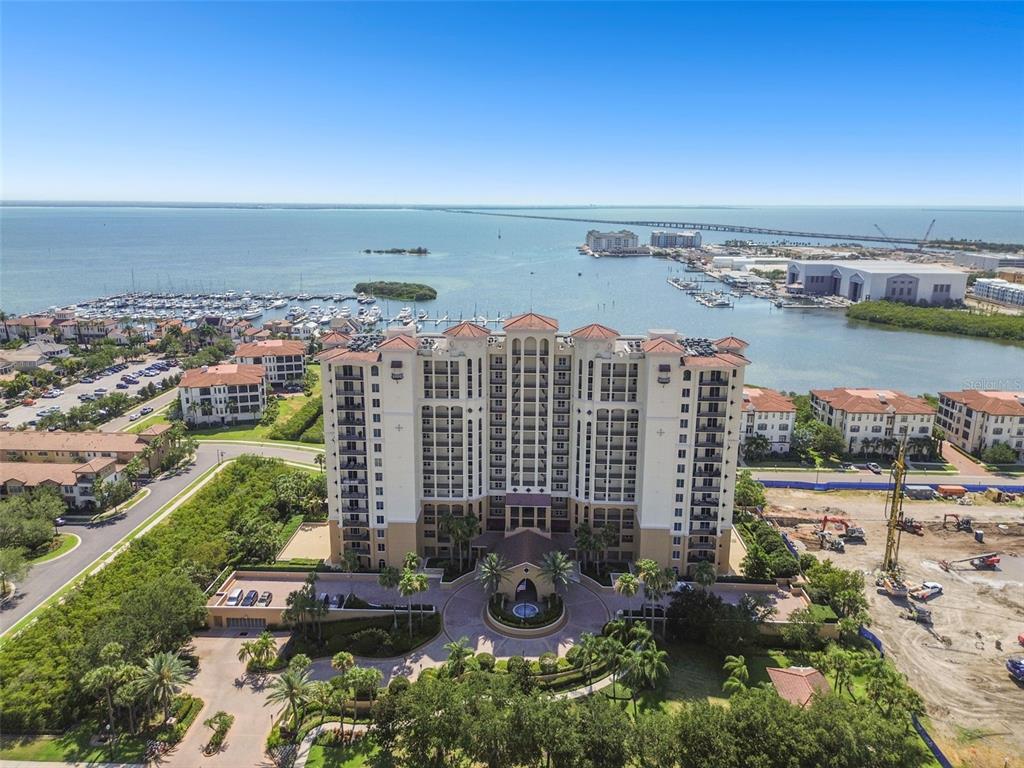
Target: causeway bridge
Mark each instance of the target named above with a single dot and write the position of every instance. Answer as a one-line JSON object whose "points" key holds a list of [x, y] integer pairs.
{"points": [[678, 225]]}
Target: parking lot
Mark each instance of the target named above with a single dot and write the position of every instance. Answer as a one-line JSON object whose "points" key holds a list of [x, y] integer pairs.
{"points": [[22, 414]]}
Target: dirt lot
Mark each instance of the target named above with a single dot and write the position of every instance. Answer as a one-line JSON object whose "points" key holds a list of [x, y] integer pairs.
{"points": [[958, 665]]}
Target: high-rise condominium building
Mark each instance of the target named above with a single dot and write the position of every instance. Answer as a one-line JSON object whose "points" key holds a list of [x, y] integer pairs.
{"points": [[532, 428]]}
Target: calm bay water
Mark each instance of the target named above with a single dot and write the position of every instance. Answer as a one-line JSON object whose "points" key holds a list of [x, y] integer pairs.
{"points": [[60, 255]]}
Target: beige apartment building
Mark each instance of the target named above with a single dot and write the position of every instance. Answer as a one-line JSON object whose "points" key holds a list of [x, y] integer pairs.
{"points": [[215, 395], [976, 419], [534, 429], [870, 419], [769, 414], [75, 448], [283, 359]]}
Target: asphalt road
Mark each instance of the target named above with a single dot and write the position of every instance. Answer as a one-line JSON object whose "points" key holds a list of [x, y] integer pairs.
{"points": [[123, 422], [45, 579], [864, 476], [21, 414]]}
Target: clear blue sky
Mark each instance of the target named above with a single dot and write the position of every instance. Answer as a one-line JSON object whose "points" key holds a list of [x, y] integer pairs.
{"points": [[893, 103]]}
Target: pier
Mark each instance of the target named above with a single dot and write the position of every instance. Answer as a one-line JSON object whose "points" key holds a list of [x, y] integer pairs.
{"points": [[681, 225]]}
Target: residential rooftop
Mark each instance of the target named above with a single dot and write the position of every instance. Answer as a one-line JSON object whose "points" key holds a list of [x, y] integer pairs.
{"points": [[993, 402], [270, 348], [854, 400], [766, 401], [71, 442], [222, 375]]}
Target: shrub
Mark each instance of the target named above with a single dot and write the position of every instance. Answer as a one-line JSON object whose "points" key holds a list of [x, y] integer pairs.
{"points": [[548, 663], [399, 683], [370, 641], [486, 661], [298, 422], [220, 723]]}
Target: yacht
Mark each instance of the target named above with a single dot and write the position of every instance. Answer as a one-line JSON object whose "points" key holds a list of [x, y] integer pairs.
{"points": [[345, 312], [404, 315], [422, 315], [303, 297], [278, 303]]}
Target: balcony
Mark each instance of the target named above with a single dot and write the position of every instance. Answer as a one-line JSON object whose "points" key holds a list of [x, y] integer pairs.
{"points": [[351, 421], [356, 536], [701, 546], [709, 443], [353, 494], [352, 451], [714, 429], [354, 521]]}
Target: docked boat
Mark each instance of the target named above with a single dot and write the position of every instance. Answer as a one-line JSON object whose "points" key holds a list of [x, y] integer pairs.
{"points": [[422, 315]]}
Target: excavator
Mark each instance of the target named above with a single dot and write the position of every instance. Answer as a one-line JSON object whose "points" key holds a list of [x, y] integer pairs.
{"points": [[987, 561], [959, 523], [851, 532], [910, 525]]}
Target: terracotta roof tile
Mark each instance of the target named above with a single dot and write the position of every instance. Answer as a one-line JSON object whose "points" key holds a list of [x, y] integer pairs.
{"points": [[531, 321], [731, 342], [766, 401], [467, 330], [854, 400], [219, 375], [595, 331], [400, 343], [270, 348], [70, 442], [797, 684], [661, 346], [993, 402], [343, 354]]}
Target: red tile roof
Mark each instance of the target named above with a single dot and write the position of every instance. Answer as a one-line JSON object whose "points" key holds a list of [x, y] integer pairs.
{"points": [[595, 331], [797, 684], [345, 355], [661, 346], [467, 330], [270, 348], [531, 321], [218, 375], [766, 401], [873, 401], [994, 402], [731, 342], [400, 343]]}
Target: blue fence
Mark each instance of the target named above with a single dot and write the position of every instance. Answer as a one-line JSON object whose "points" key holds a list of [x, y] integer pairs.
{"points": [[872, 638], [806, 485]]}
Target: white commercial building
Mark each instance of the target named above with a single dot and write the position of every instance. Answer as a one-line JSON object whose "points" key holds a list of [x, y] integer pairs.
{"points": [[612, 242], [687, 239], [975, 420], [988, 261], [768, 414], [283, 359], [866, 280], [875, 420], [532, 428], [1003, 291], [216, 395]]}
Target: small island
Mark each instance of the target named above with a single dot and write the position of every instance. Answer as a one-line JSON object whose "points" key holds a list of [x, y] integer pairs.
{"points": [[418, 251], [402, 291]]}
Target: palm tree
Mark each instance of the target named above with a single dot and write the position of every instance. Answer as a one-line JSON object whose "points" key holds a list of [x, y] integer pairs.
{"points": [[389, 578], [260, 651], [458, 652], [324, 697], [584, 541], [649, 571], [704, 574], [557, 567], [410, 584], [642, 669], [412, 561], [320, 461], [290, 688], [350, 564], [344, 662], [627, 585], [588, 651], [465, 530], [104, 678], [363, 681], [163, 676], [738, 675], [491, 572]]}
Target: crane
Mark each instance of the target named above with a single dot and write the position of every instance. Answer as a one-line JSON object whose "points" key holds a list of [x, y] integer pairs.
{"points": [[882, 231], [894, 502], [924, 240], [979, 562]]}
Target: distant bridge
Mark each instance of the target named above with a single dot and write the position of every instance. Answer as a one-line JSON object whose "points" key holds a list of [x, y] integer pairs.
{"points": [[677, 225]]}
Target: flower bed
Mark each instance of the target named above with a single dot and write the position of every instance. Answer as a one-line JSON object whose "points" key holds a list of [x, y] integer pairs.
{"points": [[551, 611], [220, 723]]}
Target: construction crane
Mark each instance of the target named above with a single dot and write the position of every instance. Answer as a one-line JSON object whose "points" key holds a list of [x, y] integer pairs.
{"points": [[924, 239], [987, 561], [882, 231], [894, 503]]}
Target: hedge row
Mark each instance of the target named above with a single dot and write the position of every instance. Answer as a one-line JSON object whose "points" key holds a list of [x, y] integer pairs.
{"points": [[298, 422]]}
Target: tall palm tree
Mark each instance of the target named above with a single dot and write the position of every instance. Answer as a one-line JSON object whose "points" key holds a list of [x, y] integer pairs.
{"points": [[163, 676], [104, 678], [588, 651], [704, 574], [458, 652], [738, 675], [649, 571], [647, 667], [557, 567], [344, 663], [627, 585], [350, 564], [412, 561], [290, 688], [389, 578], [492, 572], [320, 461], [410, 584], [584, 541]]}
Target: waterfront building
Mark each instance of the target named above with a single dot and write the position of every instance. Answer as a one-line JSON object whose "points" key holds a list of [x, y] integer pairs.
{"points": [[27, 358], [533, 429], [867, 280], [78, 448], [769, 414], [27, 328], [989, 262], [612, 242], [996, 289], [333, 340], [76, 483], [747, 263], [875, 420], [1012, 274], [974, 420], [687, 239], [215, 395], [283, 359]]}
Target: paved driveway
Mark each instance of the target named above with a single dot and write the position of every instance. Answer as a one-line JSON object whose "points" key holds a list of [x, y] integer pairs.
{"points": [[45, 579]]}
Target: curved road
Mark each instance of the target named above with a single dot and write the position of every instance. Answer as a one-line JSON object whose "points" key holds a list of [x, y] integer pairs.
{"points": [[46, 578]]}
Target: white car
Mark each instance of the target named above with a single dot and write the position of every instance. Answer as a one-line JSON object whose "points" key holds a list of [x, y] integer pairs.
{"points": [[134, 417]]}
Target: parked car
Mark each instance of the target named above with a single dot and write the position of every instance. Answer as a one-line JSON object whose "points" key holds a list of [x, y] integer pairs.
{"points": [[134, 417], [121, 385], [87, 380], [874, 468], [146, 410], [250, 598], [59, 521], [265, 599], [235, 597], [100, 391]]}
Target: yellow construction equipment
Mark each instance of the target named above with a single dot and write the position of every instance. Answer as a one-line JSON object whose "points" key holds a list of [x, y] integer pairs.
{"points": [[894, 503]]}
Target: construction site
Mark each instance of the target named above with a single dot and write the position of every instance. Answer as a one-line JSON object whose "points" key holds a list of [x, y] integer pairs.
{"points": [[946, 597]]}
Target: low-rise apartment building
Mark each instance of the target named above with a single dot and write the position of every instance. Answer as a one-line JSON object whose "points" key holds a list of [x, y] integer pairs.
{"points": [[768, 414], [675, 239], [534, 431], [875, 420], [76, 483], [76, 448], [869, 280], [216, 395], [997, 289], [622, 241], [283, 359], [974, 420]]}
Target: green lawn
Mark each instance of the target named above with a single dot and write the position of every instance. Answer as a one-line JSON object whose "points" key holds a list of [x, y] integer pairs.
{"points": [[65, 543], [355, 756], [70, 747], [160, 417], [694, 672]]}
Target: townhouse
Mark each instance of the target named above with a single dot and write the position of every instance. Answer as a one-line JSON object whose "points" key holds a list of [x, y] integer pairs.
{"points": [[768, 414], [974, 420], [875, 420], [284, 360], [217, 395]]}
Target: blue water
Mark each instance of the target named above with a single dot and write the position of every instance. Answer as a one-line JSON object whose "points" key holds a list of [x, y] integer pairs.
{"points": [[60, 255]]}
